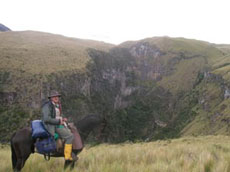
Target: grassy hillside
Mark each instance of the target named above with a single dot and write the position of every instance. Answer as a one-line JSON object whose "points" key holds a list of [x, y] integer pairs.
{"points": [[37, 52], [182, 59], [31, 56], [206, 154], [213, 101]]}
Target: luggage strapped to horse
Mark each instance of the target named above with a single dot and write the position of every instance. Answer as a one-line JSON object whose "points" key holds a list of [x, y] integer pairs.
{"points": [[44, 141]]}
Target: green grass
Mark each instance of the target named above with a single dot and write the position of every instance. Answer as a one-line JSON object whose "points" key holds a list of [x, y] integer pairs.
{"points": [[184, 75], [195, 154], [221, 65]]}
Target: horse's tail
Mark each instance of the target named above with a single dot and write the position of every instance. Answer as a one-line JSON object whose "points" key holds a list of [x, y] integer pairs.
{"points": [[13, 153]]}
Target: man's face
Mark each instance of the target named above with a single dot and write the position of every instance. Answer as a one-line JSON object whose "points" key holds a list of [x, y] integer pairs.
{"points": [[55, 99]]}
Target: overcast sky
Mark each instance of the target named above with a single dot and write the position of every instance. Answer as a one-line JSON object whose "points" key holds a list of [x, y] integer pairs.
{"points": [[116, 21]]}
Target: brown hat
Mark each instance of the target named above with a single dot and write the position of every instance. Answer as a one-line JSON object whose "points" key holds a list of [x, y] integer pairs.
{"points": [[53, 93]]}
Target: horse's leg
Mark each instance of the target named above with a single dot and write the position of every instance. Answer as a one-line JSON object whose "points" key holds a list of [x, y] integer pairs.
{"points": [[17, 164], [22, 153], [67, 164], [21, 144], [13, 154], [72, 165]]}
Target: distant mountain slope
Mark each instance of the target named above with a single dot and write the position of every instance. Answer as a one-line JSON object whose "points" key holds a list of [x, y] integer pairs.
{"points": [[179, 59], [154, 88], [3, 28], [37, 52]]}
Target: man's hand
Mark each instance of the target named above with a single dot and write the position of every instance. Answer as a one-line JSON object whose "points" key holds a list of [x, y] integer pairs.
{"points": [[65, 119]]}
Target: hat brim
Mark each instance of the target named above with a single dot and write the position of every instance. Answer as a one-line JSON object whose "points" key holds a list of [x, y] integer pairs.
{"points": [[55, 95]]}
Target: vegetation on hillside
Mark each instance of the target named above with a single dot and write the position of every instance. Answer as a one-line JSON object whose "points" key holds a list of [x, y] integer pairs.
{"points": [[155, 88]]}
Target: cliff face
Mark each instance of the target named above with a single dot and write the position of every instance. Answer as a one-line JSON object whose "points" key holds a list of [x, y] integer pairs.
{"points": [[147, 89]]}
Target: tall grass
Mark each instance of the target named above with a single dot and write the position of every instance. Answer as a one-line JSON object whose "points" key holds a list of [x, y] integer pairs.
{"points": [[199, 154]]}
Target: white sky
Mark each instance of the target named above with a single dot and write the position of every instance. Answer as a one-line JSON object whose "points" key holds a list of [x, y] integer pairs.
{"points": [[116, 21]]}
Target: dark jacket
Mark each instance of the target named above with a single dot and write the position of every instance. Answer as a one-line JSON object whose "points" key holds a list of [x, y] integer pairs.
{"points": [[49, 117]]}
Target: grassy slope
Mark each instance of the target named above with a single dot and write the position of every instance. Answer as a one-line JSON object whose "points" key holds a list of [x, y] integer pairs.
{"points": [[198, 56], [209, 153], [221, 65], [37, 52], [28, 57], [213, 113]]}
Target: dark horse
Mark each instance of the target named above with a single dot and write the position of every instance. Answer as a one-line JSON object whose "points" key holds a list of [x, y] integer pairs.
{"points": [[22, 144]]}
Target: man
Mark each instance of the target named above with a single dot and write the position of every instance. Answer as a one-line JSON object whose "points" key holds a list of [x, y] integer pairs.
{"points": [[55, 123]]}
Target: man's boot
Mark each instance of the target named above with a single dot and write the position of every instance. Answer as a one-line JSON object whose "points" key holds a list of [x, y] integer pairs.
{"points": [[68, 155], [68, 152]]}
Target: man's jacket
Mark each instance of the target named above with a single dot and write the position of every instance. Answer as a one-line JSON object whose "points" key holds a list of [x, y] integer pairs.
{"points": [[49, 117]]}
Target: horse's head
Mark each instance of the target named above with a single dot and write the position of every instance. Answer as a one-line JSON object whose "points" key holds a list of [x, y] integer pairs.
{"points": [[88, 124]]}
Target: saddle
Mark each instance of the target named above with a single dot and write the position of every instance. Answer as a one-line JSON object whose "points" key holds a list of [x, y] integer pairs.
{"points": [[77, 142]]}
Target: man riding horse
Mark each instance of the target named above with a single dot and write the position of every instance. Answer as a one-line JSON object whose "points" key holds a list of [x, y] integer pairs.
{"points": [[54, 122], [22, 143]]}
